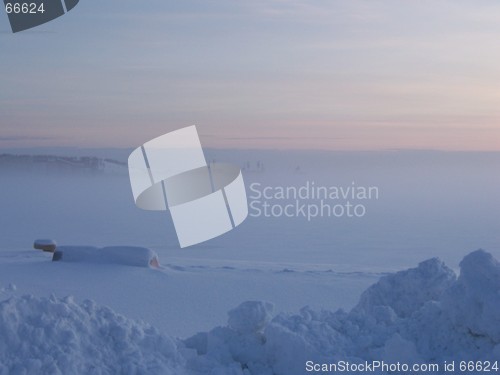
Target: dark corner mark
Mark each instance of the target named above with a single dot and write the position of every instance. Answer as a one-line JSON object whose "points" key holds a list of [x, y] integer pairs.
{"points": [[26, 14]]}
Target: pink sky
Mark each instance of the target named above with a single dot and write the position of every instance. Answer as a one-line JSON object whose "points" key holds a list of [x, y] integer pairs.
{"points": [[344, 75]]}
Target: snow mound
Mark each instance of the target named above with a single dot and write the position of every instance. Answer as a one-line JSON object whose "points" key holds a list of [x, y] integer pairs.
{"points": [[473, 302], [125, 255], [8, 289], [59, 336], [406, 291], [250, 316]]}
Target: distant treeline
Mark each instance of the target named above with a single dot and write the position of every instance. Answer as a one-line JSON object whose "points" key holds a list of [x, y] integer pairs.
{"points": [[56, 162]]}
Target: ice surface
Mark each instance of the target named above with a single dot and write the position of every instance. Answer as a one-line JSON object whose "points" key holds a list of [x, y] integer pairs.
{"points": [[423, 314]]}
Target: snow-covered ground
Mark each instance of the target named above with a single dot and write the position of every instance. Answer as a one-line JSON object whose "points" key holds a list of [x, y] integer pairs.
{"points": [[431, 205], [181, 299], [424, 315]]}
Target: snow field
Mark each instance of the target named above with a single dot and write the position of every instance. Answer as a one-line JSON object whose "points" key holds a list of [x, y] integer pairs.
{"points": [[426, 314]]}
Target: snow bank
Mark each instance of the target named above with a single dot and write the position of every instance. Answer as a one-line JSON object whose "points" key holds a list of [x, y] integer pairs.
{"points": [[125, 255], [473, 302], [58, 336], [422, 315], [406, 291], [250, 316], [11, 288]]}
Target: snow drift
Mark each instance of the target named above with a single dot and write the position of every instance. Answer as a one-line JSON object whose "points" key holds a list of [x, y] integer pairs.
{"points": [[59, 336], [421, 315], [124, 255]]}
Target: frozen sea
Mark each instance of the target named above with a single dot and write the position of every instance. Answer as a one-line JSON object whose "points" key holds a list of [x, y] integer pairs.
{"points": [[430, 204]]}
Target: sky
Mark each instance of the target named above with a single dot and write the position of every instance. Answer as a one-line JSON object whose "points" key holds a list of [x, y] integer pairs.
{"points": [[275, 74]]}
